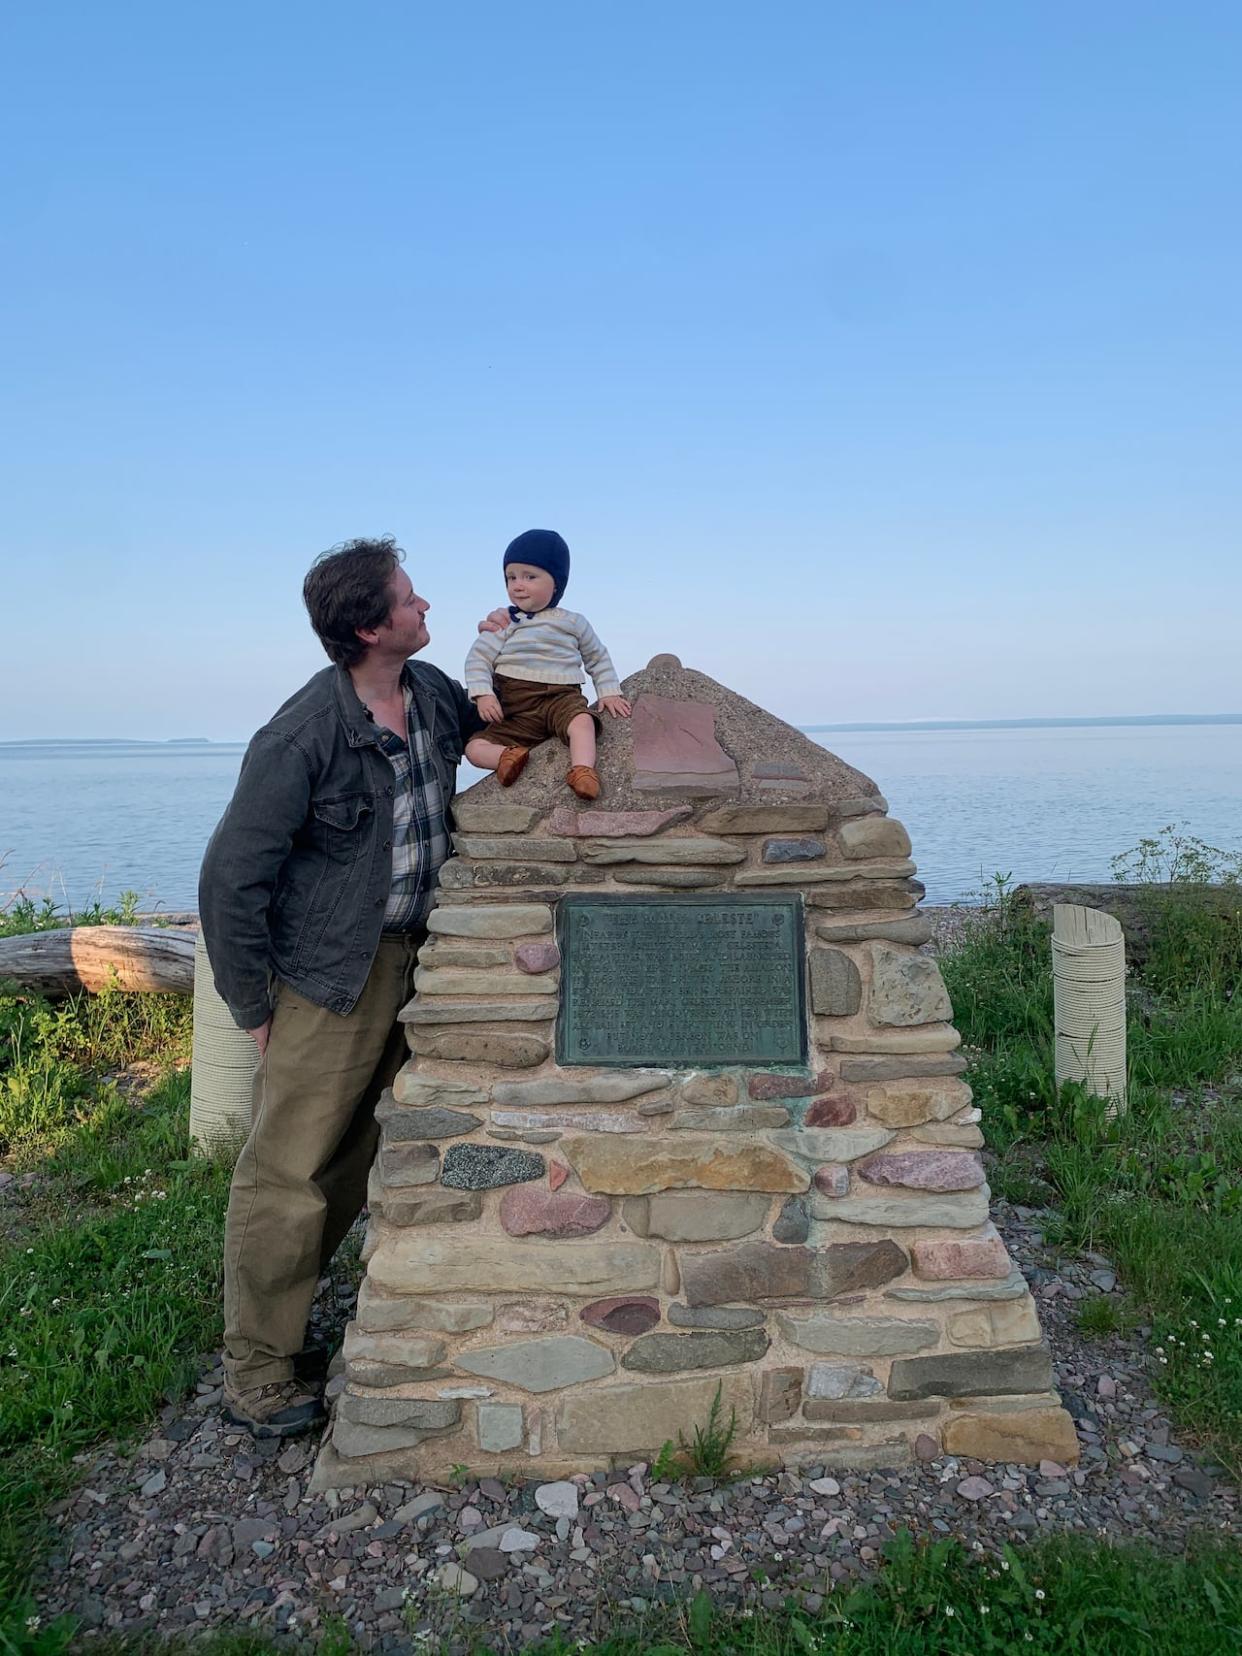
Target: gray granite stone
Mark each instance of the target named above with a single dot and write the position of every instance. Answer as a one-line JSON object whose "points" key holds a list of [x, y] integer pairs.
{"points": [[793, 850], [488, 1166], [402, 1124]]}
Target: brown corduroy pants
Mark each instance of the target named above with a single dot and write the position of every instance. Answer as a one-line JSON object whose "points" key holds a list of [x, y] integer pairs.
{"points": [[301, 1180]]}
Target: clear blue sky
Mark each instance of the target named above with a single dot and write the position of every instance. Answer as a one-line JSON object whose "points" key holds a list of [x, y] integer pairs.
{"points": [[884, 360]]}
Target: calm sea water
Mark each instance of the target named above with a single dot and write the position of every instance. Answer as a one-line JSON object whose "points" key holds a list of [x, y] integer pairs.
{"points": [[95, 819]]}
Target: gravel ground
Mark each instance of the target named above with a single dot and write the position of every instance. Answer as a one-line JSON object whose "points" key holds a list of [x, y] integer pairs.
{"points": [[204, 1528]]}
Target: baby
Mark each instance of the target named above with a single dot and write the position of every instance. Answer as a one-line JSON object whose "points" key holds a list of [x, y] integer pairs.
{"points": [[525, 679]]}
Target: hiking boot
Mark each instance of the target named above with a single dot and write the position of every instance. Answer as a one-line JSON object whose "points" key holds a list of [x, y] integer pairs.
{"points": [[510, 765], [282, 1409], [584, 782]]}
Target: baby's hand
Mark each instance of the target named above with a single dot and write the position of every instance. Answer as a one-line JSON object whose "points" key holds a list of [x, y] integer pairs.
{"points": [[497, 621], [490, 710], [616, 705]]}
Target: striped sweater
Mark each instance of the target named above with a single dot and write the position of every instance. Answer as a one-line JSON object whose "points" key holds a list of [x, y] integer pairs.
{"points": [[550, 647]]}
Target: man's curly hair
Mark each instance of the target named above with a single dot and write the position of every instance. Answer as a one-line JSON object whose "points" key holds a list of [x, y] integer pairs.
{"points": [[347, 588]]}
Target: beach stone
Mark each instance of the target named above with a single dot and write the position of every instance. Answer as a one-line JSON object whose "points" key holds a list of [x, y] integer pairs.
{"points": [[378, 1314], [780, 1395], [430, 1206], [793, 850], [478, 811], [859, 894], [452, 1578], [437, 1011], [401, 1125], [901, 1066], [677, 879], [440, 952], [675, 747], [436, 981], [851, 880], [353, 1440], [556, 1122], [1025, 1436], [922, 1039], [480, 1046], [515, 849], [984, 1255], [534, 1210], [409, 1164], [828, 1145], [764, 819], [906, 988], [532, 1316], [459, 875], [972, 1373], [420, 1091], [714, 1316], [409, 1263], [499, 1427], [830, 1112], [857, 1336], [960, 1135], [832, 1179], [427, 1413], [636, 1167], [771, 1085], [1011, 1287], [1012, 1322], [841, 1380], [693, 1216], [614, 824], [793, 1222], [836, 986], [640, 1416], [873, 836], [558, 1500], [710, 1090], [539, 1365], [905, 1212], [536, 958], [597, 1089], [940, 1170], [693, 850], [911, 1103], [915, 931], [487, 1166], [675, 1353], [768, 1270], [513, 920], [622, 1314], [733, 1118]]}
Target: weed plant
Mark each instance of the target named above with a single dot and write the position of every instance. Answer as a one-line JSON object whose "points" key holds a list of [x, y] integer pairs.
{"points": [[1159, 1188]]}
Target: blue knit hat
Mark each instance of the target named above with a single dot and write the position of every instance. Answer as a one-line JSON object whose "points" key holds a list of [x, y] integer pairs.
{"points": [[542, 549]]}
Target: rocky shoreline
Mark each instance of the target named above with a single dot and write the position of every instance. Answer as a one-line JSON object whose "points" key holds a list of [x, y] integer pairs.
{"points": [[204, 1528]]}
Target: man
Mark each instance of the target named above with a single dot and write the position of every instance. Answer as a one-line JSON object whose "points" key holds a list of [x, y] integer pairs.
{"points": [[314, 895]]}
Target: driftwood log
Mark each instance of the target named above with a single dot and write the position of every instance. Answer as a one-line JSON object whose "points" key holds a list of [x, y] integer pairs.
{"points": [[59, 962]]}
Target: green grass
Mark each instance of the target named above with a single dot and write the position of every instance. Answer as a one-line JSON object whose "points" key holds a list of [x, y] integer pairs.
{"points": [[109, 1266], [1159, 1188]]}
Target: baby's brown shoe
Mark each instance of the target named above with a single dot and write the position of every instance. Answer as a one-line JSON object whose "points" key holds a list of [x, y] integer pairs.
{"points": [[583, 780], [511, 764]]}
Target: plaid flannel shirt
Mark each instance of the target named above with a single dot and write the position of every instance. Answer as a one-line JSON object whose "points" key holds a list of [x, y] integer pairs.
{"points": [[420, 841]]}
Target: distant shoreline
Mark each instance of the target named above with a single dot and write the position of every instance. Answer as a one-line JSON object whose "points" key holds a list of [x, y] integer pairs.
{"points": [[1132, 720]]}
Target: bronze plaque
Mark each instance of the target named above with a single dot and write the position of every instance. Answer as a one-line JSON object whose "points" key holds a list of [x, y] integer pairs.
{"points": [[681, 981]]}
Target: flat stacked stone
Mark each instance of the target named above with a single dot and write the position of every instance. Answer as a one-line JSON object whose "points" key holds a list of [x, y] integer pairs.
{"points": [[566, 1263]]}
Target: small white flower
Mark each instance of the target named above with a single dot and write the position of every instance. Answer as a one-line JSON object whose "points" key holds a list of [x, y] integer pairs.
{"points": [[949, 1610], [1039, 1592]]}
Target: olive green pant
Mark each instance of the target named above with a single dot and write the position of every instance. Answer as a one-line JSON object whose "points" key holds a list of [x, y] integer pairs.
{"points": [[301, 1180]]}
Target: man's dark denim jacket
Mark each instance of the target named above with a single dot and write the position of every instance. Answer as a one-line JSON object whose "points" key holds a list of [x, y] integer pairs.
{"points": [[296, 877]]}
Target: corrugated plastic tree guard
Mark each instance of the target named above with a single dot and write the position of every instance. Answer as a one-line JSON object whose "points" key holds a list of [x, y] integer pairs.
{"points": [[223, 1065], [1089, 1001]]}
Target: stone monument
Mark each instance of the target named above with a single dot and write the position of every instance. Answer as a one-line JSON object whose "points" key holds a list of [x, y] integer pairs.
{"points": [[684, 1113]]}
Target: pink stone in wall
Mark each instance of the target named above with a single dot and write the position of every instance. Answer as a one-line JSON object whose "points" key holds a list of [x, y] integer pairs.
{"points": [[962, 1257], [925, 1169], [623, 1314], [788, 1086], [675, 746], [832, 1179], [831, 1112], [533, 1210], [613, 824], [557, 1174], [536, 957]]}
